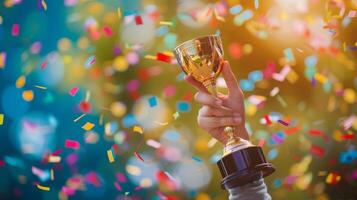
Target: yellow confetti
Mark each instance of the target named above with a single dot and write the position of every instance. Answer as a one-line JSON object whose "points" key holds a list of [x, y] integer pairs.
{"points": [[43, 187], [292, 77], [2, 60], [20, 82], [320, 78], [161, 123], [87, 96], [88, 126], [52, 175], [176, 115], [344, 46], [110, 156], [54, 159], [349, 96], [138, 129], [78, 118], [166, 23], [27, 95], [44, 5], [119, 13], [41, 87], [1, 119], [150, 57]]}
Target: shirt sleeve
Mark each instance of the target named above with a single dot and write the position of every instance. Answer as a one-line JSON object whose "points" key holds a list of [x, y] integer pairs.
{"points": [[256, 190]]}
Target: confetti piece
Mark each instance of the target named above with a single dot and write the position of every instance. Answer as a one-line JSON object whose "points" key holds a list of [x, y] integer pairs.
{"points": [[272, 154], [283, 122], [166, 23], [211, 142], [256, 4], [2, 59], [2, 163], [15, 31], [163, 57], [88, 126], [316, 150], [281, 101], [1, 119], [44, 64], [274, 91], [54, 159], [137, 155], [73, 91], [80, 117], [138, 20], [153, 143], [110, 156], [28, 95], [283, 73], [44, 5], [195, 158], [119, 13], [183, 106], [176, 115], [138, 129], [40, 87], [90, 61], [72, 144], [288, 53], [333, 178], [352, 13], [117, 186], [267, 120], [152, 101], [43, 187], [52, 175], [292, 130]]}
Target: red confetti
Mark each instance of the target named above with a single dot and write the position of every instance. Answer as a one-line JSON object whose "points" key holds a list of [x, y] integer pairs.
{"points": [[316, 150], [318, 133], [138, 156], [107, 31], [73, 91], [138, 20], [349, 136], [261, 142], [292, 130], [267, 119], [84, 107], [115, 148], [2, 163], [163, 57]]}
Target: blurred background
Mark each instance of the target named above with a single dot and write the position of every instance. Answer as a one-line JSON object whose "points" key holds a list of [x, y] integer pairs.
{"points": [[93, 105]]}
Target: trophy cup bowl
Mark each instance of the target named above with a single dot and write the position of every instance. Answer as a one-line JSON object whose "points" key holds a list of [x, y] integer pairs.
{"points": [[242, 162]]}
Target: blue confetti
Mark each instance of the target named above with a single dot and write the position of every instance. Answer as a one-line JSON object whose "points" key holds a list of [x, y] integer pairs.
{"points": [[246, 85], [272, 154], [129, 120], [235, 9], [255, 76], [195, 158], [277, 183], [183, 106], [152, 101]]}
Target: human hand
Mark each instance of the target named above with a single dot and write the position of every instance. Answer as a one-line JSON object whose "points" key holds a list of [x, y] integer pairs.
{"points": [[224, 110]]}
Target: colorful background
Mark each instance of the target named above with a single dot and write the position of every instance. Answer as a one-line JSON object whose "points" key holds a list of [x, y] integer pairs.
{"points": [[94, 106]]}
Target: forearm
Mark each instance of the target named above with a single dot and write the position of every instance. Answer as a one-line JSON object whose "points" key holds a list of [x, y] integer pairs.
{"points": [[256, 190]]}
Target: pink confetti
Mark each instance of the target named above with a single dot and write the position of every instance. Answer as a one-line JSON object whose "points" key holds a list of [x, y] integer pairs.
{"points": [[15, 31], [43, 65], [352, 13], [73, 91], [72, 144], [117, 186]]}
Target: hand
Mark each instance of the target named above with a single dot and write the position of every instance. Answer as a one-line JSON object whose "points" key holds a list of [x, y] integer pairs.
{"points": [[223, 110]]}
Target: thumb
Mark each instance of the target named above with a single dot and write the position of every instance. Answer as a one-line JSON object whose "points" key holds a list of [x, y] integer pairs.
{"points": [[230, 79]]}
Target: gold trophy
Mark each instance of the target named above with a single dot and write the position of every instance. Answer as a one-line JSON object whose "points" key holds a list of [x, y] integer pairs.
{"points": [[242, 162]]}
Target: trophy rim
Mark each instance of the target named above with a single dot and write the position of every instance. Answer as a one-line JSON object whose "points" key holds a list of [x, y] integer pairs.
{"points": [[196, 38]]}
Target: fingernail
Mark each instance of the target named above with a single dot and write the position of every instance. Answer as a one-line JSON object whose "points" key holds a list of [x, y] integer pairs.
{"points": [[219, 102], [236, 114], [237, 119]]}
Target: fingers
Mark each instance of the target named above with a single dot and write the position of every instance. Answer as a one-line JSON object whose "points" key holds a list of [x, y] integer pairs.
{"points": [[207, 99], [196, 84], [215, 122], [208, 111], [230, 79]]}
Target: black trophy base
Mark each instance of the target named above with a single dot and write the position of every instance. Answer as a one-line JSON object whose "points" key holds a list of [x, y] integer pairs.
{"points": [[243, 166]]}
